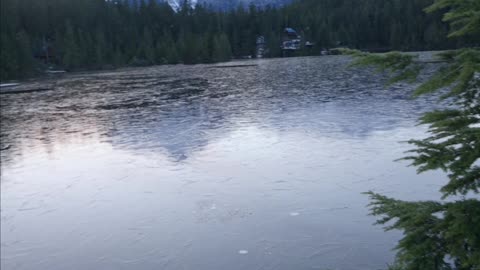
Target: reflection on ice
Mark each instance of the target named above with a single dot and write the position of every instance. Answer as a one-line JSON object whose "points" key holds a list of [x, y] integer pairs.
{"points": [[188, 167]]}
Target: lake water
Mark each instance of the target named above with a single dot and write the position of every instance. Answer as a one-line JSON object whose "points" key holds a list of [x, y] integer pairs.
{"points": [[206, 167]]}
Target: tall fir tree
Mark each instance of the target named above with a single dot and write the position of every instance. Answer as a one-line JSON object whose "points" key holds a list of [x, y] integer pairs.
{"points": [[221, 48], [71, 51], [441, 235]]}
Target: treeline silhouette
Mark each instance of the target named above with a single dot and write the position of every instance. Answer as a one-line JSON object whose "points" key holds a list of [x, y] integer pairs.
{"points": [[96, 34]]}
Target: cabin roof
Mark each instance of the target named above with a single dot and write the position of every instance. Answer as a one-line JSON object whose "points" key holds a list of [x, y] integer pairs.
{"points": [[290, 30]]}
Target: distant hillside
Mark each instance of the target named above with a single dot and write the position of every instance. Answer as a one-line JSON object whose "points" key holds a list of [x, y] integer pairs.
{"points": [[96, 34]]}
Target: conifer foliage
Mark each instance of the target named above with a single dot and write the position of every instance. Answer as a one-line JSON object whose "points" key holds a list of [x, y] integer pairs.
{"points": [[95, 34], [445, 234]]}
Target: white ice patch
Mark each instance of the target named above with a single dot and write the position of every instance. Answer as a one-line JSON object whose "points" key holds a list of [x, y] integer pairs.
{"points": [[8, 85], [243, 252], [294, 214]]}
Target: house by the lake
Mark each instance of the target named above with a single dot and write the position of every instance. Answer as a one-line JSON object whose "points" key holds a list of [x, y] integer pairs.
{"points": [[261, 48], [291, 40]]}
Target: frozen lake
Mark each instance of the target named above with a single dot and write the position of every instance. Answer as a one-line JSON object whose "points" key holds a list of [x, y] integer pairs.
{"points": [[200, 167]]}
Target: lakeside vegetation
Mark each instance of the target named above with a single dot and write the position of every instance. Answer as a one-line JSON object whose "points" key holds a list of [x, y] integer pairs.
{"points": [[440, 235], [96, 34]]}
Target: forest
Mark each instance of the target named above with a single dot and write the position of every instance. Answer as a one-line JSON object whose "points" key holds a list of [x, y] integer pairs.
{"points": [[99, 34]]}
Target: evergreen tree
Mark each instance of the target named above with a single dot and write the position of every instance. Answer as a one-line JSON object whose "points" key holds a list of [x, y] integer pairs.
{"points": [[395, 36], [148, 46], [189, 46], [441, 235], [9, 62], [71, 50], [100, 48], [273, 44], [117, 58], [172, 54], [221, 48], [96, 33], [24, 53]]}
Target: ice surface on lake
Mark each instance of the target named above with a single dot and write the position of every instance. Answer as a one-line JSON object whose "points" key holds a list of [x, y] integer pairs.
{"points": [[189, 167]]}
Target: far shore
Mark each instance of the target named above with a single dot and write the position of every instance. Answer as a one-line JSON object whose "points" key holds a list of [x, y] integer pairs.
{"points": [[47, 79]]}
